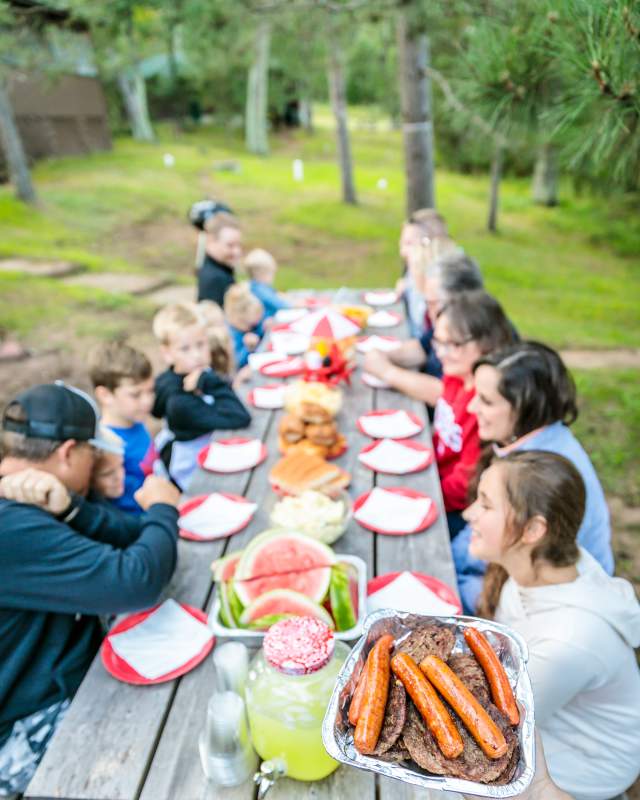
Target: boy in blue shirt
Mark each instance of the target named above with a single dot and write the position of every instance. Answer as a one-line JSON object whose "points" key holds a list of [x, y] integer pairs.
{"points": [[261, 267], [123, 385], [244, 313]]}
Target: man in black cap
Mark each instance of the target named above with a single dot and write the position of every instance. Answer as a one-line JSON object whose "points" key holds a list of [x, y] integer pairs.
{"points": [[63, 562]]}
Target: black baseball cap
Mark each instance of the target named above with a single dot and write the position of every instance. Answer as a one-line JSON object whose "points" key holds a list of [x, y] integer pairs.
{"points": [[58, 412]]}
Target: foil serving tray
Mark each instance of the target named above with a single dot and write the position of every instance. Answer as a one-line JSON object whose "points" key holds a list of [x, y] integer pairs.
{"points": [[513, 653]]}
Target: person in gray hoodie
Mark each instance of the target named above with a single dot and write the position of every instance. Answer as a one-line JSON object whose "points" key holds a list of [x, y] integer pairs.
{"points": [[580, 624]]}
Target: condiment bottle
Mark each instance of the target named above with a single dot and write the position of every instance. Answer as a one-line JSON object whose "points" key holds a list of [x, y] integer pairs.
{"points": [[287, 692]]}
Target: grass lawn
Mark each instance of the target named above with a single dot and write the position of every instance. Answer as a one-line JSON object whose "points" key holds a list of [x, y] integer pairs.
{"points": [[569, 275]]}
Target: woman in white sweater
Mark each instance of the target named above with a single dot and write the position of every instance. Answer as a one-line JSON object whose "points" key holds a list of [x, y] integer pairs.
{"points": [[580, 624]]}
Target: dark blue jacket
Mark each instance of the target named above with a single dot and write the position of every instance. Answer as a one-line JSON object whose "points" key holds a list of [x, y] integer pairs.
{"points": [[54, 581], [214, 278]]}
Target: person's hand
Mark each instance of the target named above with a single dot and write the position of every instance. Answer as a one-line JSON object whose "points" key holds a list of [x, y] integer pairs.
{"points": [[156, 490], [241, 376], [190, 381], [250, 340], [376, 363], [37, 488], [401, 285]]}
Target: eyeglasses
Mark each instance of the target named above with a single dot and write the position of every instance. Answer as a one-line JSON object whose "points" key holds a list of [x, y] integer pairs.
{"points": [[444, 347]]}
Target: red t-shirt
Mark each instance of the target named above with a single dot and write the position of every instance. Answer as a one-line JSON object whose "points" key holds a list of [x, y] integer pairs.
{"points": [[456, 442]]}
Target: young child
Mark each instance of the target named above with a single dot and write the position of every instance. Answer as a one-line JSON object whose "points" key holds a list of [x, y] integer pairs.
{"points": [[261, 268], [580, 625], [244, 314], [223, 252], [123, 385], [192, 398], [107, 478]]}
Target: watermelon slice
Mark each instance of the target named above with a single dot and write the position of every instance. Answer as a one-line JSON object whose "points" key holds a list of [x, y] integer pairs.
{"points": [[279, 559], [284, 602], [224, 568]]}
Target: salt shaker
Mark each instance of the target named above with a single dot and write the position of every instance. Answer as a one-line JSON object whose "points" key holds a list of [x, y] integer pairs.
{"points": [[231, 662], [227, 756]]}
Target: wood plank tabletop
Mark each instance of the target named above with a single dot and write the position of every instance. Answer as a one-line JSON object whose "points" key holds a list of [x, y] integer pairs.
{"points": [[122, 742]]}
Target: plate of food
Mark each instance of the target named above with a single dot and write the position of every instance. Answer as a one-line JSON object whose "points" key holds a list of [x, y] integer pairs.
{"points": [[282, 573], [454, 709]]}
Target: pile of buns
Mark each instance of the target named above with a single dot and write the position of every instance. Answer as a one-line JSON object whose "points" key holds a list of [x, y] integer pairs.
{"points": [[301, 392], [298, 472], [312, 430]]}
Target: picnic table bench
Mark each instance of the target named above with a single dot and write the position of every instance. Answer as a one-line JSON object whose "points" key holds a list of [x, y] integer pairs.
{"points": [[124, 742]]}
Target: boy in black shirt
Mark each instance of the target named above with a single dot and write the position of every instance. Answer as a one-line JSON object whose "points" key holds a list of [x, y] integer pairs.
{"points": [[192, 398], [63, 562]]}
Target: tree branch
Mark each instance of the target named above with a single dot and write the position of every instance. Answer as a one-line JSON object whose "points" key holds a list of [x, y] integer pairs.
{"points": [[458, 106]]}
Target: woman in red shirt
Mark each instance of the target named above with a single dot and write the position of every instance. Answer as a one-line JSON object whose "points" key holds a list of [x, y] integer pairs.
{"points": [[470, 325]]}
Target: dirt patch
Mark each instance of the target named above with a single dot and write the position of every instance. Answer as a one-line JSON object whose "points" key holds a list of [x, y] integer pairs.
{"points": [[168, 244], [602, 359]]}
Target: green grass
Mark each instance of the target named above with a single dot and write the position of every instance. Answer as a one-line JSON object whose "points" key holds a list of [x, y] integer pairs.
{"points": [[609, 428]]}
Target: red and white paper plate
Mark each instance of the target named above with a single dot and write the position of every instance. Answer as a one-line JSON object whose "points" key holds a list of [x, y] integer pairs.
{"points": [[284, 368], [380, 297], [169, 648], [396, 511], [259, 360], [374, 342], [396, 457], [214, 516], [384, 319], [389, 423], [289, 342], [442, 594], [372, 382], [288, 315], [315, 302], [232, 455], [269, 396]]}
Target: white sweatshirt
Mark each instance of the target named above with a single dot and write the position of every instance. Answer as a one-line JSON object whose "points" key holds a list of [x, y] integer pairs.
{"points": [[585, 677]]}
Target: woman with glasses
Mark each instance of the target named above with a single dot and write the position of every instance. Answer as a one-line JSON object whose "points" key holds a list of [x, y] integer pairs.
{"points": [[469, 326], [525, 399]]}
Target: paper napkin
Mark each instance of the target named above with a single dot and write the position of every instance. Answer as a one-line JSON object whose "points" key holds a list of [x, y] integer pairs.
{"points": [[398, 425], [233, 457], [380, 298], [269, 398], [393, 512], [258, 360], [383, 319], [407, 593], [373, 382], [289, 343], [166, 640], [374, 342], [217, 516], [290, 314], [391, 456]]}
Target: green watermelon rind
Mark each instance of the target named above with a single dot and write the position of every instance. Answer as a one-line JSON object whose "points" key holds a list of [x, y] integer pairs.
{"points": [[301, 605], [340, 599], [264, 623], [245, 571]]}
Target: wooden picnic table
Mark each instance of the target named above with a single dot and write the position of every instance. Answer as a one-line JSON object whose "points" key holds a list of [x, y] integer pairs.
{"points": [[124, 742]]}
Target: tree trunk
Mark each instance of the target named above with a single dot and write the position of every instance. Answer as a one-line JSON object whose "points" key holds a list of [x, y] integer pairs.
{"points": [[337, 92], [545, 176], [256, 124], [415, 97], [14, 151], [496, 176], [134, 93], [306, 114]]}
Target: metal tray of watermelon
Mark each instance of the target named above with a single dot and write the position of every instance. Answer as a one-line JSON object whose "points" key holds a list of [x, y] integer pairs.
{"points": [[255, 638]]}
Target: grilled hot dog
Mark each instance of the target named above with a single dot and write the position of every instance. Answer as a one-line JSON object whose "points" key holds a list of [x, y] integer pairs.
{"points": [[374, 700], [479, 724], [501, 690], [430, 706]]}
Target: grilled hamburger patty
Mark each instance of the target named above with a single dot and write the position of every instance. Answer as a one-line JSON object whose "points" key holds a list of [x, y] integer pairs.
{"points": [[429, 640], [395, 716]]}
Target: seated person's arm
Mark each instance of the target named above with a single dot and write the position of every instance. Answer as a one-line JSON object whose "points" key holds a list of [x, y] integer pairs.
{"points": [[186, 411], [409, 354], [414, 384], [47, 566]]}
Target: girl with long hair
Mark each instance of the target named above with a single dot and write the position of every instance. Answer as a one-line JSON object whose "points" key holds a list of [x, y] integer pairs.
{"points": [[525, 399], [580, 624]]}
